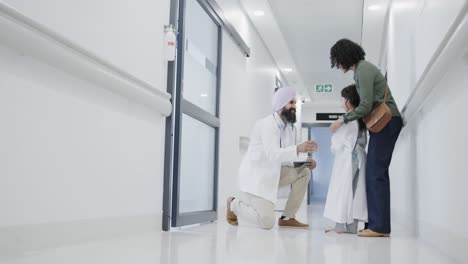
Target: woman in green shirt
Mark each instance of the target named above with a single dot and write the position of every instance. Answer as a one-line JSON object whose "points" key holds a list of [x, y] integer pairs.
{"points": [[371, 84]]}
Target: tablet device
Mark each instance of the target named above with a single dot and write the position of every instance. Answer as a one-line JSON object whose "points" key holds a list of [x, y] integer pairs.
{"points": [[302, 163]]}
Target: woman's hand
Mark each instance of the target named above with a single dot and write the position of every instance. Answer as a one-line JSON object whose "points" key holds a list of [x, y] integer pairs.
{"points": [[337, 124]]}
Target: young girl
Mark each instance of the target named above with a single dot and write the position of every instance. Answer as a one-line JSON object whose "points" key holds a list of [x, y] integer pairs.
{"points": [[346, 199]]}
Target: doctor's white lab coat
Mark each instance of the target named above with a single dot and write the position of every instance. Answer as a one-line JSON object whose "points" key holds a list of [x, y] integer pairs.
{"points": [[346, 198], [259, 172]]}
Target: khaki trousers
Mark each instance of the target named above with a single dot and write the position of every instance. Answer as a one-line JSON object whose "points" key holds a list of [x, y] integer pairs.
{"points": [[260, 211]]}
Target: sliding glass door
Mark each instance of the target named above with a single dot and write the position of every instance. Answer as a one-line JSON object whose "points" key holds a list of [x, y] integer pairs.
{"points": [[196, 120]]}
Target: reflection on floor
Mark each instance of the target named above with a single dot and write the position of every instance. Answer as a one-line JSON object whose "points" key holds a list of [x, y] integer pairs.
{"points": [[221, 243]]}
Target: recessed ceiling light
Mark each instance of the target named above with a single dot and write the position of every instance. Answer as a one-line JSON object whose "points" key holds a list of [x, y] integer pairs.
{"points": [[259, 13], [288, 69], [204, 95], [373, 7]]}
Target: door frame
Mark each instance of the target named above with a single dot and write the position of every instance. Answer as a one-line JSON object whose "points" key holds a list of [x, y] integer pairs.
{"points": [[183, 106], [171, 217], [171, 195]]}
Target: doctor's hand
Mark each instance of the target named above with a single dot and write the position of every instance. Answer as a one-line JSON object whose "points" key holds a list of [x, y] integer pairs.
{"points": [[314, 163], [307, 147], [335, 125]]}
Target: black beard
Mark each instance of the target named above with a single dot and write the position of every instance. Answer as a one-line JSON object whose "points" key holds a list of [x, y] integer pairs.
{"points": [[290, 115]]}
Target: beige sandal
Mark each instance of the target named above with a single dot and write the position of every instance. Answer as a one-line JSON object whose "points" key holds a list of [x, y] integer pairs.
{"points": [[370, 233], [231, 218]]}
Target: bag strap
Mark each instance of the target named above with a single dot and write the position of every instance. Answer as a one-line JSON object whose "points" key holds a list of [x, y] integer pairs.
{"points": [[386, 92]]}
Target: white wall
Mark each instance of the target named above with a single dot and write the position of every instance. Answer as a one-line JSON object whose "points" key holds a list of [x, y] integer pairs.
{"points": [[71, 150], [374, 30], [126, 34], [415, 29], [427, 172]]}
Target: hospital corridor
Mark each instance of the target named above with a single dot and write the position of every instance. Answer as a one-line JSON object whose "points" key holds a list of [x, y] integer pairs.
{"points": [[233, 131]]}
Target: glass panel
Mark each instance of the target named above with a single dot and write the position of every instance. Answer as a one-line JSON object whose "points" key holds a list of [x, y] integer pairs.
{"points": [[196, 166], [201, 58], [324, 157]]}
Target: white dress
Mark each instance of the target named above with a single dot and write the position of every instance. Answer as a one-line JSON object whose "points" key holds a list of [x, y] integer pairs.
{"points": [[346, 198]]}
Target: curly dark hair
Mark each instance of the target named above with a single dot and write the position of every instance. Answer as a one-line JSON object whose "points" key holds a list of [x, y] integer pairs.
{"points": [[346, 53]]}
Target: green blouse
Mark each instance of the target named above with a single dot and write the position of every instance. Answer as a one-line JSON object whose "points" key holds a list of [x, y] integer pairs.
{"points": [[370, 85]]}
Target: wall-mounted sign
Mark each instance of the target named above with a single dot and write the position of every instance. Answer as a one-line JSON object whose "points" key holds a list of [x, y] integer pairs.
{"points": [[328, 116], [323, 88]]}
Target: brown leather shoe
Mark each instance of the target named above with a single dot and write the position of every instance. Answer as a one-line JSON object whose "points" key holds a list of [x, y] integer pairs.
{"points": [[370, 233], [291, 223], [230, 216]]}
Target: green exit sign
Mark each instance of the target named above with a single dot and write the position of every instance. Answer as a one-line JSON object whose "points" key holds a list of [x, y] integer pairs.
{"points": [[323, 88]]}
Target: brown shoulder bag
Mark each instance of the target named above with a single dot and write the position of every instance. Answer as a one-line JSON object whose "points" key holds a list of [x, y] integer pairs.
{"points": [[380, 116]]}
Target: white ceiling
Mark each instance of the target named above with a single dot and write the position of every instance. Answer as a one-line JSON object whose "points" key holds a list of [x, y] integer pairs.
{"points": [[310, 28], [313, 26]]}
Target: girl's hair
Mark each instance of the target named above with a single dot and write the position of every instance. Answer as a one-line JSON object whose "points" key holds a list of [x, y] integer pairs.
{"points": [[346, 53], [350, 93]]}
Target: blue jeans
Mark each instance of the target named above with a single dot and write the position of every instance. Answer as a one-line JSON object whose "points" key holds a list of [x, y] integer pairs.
{"points": [[379, 155]]}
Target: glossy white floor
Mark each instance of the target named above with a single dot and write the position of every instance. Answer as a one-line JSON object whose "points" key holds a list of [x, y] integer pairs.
{"points": [[220, 243]]}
